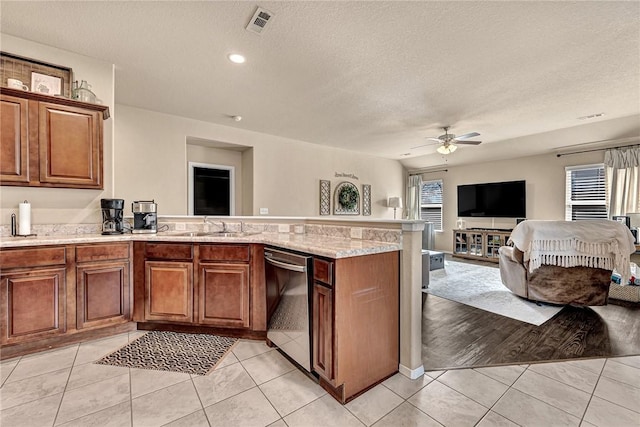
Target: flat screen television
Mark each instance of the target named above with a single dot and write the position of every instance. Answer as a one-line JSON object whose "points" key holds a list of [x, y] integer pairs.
{"points": [[493, 199]]}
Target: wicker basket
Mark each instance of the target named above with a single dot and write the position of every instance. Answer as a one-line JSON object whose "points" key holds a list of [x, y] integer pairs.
{"points": [[625, 293], [17, 67]]}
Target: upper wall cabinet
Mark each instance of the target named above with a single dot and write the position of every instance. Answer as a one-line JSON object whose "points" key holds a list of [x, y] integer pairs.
{"points": [[50, 141]]}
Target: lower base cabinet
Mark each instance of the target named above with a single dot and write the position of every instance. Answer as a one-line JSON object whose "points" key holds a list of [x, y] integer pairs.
{"points": [[57, 295], [356, 322], [195, 286], [223, 290], [323, 331], [34, 303], [168, 291]]}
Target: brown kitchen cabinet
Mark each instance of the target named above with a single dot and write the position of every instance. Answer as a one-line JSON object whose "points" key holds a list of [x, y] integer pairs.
{"points": [[58, 295], [168, 282], [168, 291], [103, 293], [217, 286], [14, 158], [355, 322], [224, 295], [323, 331], [224, 286], [51, 141], [33, 286]]}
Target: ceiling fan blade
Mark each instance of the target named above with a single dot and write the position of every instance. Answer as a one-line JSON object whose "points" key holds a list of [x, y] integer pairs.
{"points": [[467, 135], [469, 142], [431, 138]]}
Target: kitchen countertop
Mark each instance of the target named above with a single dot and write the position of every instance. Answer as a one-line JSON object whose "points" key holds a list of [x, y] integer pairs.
{"points": [[331, 247]]}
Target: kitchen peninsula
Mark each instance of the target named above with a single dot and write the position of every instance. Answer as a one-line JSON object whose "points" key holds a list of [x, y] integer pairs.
{"points": [[76, 267]]}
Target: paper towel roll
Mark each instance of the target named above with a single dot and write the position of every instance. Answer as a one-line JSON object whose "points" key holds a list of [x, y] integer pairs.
{"points": [[24, 215]]}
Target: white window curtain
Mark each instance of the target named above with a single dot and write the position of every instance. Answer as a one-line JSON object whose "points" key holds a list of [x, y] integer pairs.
{"points": [[414, 189], [622, 171]]}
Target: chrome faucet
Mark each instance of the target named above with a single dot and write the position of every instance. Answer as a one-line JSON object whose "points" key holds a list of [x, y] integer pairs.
{"points": [[208, 222]]}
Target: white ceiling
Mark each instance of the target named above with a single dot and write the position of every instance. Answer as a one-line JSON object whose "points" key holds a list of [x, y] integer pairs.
{"points": [[375, 77]]}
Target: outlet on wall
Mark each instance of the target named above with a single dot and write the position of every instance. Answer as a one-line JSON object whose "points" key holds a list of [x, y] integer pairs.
{"points": [[264, 211]]}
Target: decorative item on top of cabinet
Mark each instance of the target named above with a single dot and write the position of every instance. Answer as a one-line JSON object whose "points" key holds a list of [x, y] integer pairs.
{"points": [[22, 68], [49, 141]]}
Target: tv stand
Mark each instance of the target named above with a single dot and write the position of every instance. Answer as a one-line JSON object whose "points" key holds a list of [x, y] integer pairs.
{"points": [[479, 243]]}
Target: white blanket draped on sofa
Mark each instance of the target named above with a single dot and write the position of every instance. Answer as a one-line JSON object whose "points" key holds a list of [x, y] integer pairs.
{"points": [[594, 243]]}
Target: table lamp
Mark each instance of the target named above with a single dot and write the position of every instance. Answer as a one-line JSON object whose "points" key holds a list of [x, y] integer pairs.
{"points": [[395, 203]]}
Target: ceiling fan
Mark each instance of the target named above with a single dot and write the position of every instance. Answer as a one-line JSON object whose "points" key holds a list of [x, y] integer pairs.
{"points": [[449, 141]]}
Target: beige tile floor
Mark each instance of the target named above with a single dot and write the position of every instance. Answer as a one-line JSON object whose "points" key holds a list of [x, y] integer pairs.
{"points": [[256, 386]]}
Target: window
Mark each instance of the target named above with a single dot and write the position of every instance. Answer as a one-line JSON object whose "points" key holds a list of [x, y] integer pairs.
{"points": [[585, 193], [431, 203]]}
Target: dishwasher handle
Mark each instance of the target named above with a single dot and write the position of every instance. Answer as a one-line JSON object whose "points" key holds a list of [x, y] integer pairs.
{"points": [[286, 265]]}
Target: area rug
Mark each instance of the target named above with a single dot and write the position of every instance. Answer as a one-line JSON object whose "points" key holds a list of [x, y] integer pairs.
{"points": [[480, 286], [196, 354]]}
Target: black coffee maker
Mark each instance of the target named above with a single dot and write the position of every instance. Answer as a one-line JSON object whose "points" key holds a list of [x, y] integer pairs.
{"points": [[112, 213]]}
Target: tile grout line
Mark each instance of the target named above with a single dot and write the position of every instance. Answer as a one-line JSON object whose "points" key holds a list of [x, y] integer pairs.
{"points": [[66, 385], [206, 416], [594, 390]]}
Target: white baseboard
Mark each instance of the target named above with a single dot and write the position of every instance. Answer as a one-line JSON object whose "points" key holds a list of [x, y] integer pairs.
{"points": [[412, 374]]}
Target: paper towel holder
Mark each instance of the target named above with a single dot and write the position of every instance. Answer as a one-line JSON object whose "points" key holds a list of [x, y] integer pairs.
{"points": [[29, 220]]}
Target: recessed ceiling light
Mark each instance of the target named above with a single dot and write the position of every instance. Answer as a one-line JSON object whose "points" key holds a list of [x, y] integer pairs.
{"points": [[236, 58], [591, 116]]}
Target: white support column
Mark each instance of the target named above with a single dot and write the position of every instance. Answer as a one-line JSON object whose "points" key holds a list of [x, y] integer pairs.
{"points": [[411, 300]]}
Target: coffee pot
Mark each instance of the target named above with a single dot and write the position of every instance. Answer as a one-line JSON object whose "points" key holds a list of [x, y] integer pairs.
{"points": [[112, 213], [145, 219]]}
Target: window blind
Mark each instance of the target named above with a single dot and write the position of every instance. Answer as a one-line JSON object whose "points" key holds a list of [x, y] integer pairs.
{"points": [[586, 193], [431, 203]]}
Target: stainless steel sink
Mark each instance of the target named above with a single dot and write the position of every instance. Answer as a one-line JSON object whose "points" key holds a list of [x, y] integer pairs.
{"points": [[217, 233]]}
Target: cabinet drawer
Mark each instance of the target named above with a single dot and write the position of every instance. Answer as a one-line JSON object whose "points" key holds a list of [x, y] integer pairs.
{"points": [[224, 253], [170, 251], [102, 252], [323, 271], [35, 257]]}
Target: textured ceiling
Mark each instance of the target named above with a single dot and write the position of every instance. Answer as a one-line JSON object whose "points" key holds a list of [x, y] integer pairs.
{"points": [[375, 77]]}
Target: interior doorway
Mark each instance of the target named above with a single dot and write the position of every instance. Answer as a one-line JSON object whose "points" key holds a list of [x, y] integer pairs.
{"points": [[211, 189]]}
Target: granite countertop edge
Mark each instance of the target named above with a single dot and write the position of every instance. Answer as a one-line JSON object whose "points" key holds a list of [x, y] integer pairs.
{"points": [[331, 247]]}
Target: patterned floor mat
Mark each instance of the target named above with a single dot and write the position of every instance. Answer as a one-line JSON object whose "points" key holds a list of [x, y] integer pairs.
{"points": [[171, 351]]}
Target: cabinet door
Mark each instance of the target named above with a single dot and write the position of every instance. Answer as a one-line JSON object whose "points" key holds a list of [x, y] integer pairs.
{"points": [[70, 141], [34, 303], [224, 295], [14, 157], [323, 331], [168, 291], [102, 294]]}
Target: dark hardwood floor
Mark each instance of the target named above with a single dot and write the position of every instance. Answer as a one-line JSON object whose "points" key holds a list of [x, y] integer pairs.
{"points": [[456, 335]]}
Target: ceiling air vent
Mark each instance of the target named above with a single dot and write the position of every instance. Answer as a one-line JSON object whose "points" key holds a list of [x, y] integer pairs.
{"points": [[259, 21]]}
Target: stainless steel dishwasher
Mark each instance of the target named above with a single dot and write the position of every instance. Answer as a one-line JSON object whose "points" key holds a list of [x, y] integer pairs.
{"points": [[288, 282]]}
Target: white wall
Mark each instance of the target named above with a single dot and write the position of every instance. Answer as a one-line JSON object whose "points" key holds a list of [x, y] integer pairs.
{"points": [[545, 187], [53, 205], [151, 163]]}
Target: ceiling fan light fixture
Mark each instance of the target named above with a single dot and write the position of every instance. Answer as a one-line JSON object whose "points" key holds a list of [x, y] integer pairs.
{"points": [[236, 58], [447, 149]]}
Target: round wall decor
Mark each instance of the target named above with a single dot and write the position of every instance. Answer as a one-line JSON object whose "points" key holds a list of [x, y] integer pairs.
{"points": [[346, 199]]}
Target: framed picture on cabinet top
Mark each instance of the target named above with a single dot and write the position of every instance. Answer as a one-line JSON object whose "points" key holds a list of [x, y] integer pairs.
{"points": [[48, 85]]}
